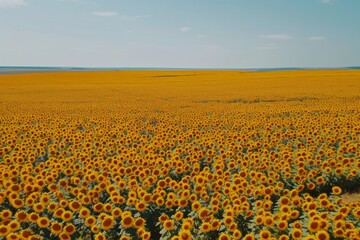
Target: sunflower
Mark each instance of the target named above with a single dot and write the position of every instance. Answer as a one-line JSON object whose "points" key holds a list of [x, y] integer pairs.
{"points": [[5, 214], [127, 221], [86, 200], [13, 236], [17, 203], [108, 207], [95, 229], [75, 206], [336, 190], [37, 237], [21, 216], [100, 236], [183, 203], [324, 224], [285, 209], [66, 216], [344, 211], [265, 234], [56, 228], [296, 233], [322, 235], [102, 216], [228, 220], [259, 219], [4, 230], [205, 227], [233, 226], [90, 221], [203, 213], [140, 206], [186, 225], [320, 180], [169, 204], [168, 225], [294, 214], [146, 235], [338, 232], [311, 186], [310, 237], [339, 171], [268, 204], [107, 223], [224, 236], [59, 212], [296, 202], [185, 235], [258, 203], [33, 217], [312, 206], [356, 212], [63, 203], [69, 229], [282, 225], [99, 207], [52, 207], [25, 234], [313, 225], [236, 234], [45, 198], [195, 206], [160, 201], [139, 223], [178, 216], [43, 222], [249, 236], [64, 236], [269, 221], [84, 212], [324, 203], [116, 212], [140, 231]]}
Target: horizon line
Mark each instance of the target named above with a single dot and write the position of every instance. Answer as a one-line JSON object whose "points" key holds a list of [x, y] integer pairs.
{"points": [[175, 68]]}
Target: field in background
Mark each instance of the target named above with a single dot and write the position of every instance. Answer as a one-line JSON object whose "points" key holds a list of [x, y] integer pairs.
{"points": [[180, 154]]}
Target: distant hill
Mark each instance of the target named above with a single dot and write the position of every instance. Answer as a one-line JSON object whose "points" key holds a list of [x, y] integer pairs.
{"points": [[354, 67]]}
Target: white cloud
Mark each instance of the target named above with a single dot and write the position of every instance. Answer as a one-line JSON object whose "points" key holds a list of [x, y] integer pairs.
{"points": [[185, 29], [276, 36], [316, 38], [12, 3], [81, 2], [105, 14], [122, 17], [133, 18], [270, 46]]}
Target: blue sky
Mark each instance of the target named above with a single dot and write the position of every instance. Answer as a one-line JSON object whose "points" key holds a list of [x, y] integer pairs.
{"points": [[180, 33]]}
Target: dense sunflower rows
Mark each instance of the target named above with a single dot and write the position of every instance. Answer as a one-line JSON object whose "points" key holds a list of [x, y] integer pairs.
{"points": [[179, 155]]}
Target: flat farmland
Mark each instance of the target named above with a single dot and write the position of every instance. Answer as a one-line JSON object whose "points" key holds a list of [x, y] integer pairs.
{"points": [[186, 154]]}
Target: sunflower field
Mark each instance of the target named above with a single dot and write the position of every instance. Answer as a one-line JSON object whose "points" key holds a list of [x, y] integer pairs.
{"points": [[180, 155]]}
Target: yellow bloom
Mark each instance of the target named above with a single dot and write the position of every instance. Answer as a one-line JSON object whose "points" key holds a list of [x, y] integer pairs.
{"points": [[127, 221], [322, 235], [205, 227], [168, 225], [107, 223]]}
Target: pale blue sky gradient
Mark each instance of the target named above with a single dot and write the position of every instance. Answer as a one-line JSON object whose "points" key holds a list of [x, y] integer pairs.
{"points": [[180, 33]]}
